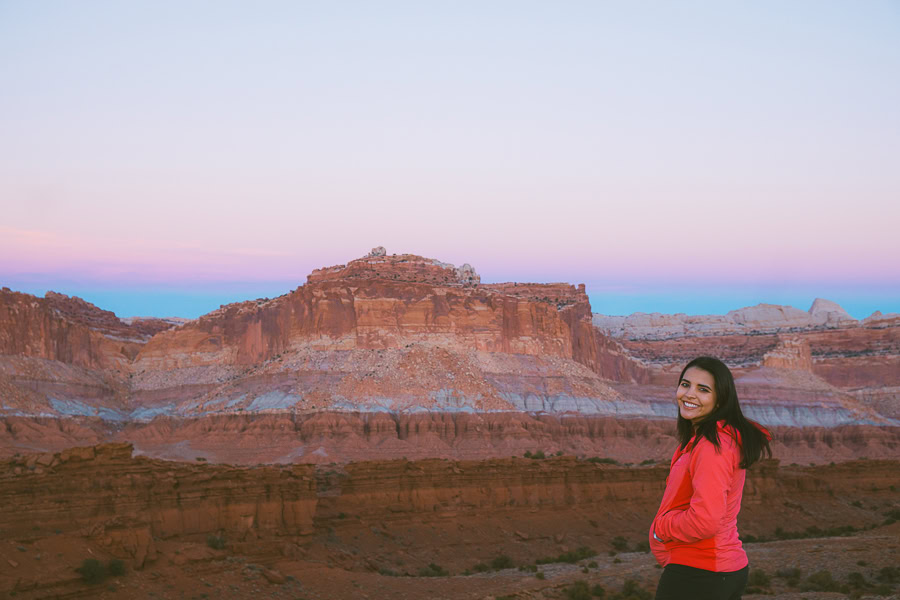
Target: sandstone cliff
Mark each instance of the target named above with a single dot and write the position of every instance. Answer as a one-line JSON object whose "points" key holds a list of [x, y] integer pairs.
{"points": [[196, 525], [386, 339]]}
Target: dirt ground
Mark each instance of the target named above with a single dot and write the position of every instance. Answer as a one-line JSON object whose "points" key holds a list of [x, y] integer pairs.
{"points": [[195, 571]]}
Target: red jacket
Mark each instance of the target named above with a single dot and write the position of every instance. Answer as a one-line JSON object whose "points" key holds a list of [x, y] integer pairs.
{"points": [[697, 519]]}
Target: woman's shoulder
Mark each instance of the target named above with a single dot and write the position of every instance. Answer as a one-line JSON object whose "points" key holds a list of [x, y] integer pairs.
{"points": [[729, 438]]}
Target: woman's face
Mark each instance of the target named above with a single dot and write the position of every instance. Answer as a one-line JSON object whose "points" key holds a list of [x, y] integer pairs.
{"points": [[696, 395]]}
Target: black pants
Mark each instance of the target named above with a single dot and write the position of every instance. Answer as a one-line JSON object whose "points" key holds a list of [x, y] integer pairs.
{"points": [[679, 582]]}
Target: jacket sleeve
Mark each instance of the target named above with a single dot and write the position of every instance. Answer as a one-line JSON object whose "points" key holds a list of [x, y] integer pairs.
{"points": [[711, 475]]}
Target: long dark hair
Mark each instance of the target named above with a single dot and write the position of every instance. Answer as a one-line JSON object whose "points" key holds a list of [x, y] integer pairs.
{"points": [[754, 440]]}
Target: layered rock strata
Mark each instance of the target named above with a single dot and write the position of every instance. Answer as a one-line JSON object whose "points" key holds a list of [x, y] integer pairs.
{"points": [[364, 517], [329, 437], [417, 340]]}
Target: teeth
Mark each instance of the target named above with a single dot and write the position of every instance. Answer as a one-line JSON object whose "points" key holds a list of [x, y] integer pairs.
{"points": [[690, 404]]}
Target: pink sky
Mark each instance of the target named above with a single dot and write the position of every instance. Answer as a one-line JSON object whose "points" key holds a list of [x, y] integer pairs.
{"points": [[699, 146]]}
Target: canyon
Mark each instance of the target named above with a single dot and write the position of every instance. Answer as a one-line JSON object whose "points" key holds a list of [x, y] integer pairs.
{"points": [[429, 528], [393, 423], [400, 355]]}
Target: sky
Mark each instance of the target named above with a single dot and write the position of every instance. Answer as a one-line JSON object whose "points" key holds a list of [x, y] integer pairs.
{"points": [[163, 158]]}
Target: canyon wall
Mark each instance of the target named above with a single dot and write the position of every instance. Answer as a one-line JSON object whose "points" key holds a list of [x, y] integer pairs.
{"points": [[328, 437], [364, 516], [385, 343]]}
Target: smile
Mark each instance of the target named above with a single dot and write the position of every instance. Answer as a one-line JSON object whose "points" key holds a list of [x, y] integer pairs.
{"points": [[689, 404]]}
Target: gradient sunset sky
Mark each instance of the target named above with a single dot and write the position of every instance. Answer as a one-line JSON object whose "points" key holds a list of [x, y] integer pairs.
{"points": [[163, 158]]}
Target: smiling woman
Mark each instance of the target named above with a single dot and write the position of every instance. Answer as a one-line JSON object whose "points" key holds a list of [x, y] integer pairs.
{"points": [[694, 535], [696, 394]]}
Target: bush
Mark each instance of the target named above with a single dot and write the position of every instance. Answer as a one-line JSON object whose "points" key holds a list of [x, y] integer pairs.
{"points": [[92, 570], [602, 461], [572, 556], [540, 575], [597, 591], [758, 578], [502, 562], [889, 575], [433, 570], [814, 532], [620, 543], [216, 542], [791, 576], [857, 580], [578, 591], [821, 581], [116, 567], [632, 590]]}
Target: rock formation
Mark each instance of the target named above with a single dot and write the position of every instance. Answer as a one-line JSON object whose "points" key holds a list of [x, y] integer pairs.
{"points": [[391, 343], [226, 531], [752, 320]]}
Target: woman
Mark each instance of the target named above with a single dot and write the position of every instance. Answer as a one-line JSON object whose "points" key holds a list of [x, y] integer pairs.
{"points": [[694, 535]]}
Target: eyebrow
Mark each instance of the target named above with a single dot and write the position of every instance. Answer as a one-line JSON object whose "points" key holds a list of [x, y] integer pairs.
{"points": [[689, 381]]}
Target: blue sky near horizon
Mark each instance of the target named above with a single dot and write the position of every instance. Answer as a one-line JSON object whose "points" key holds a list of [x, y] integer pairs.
{"points": [[163, 158], [191, 303]]}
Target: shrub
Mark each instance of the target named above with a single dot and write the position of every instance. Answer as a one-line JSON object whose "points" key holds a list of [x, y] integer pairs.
{"points": [[502, 562], [856, 580], [632, 590], [643, 546], [620, 543], [216, 542], [888, 575], [597, 591], [821, 581], [540, 575], [758, 578], [433, 570], [116, 567], [92, 570], [602, 461], [791, 576], [572, 556], [481, 568], [578, 591]]}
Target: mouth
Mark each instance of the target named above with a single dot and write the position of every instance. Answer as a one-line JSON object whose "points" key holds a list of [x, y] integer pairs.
{"points": [[687, 404]]}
